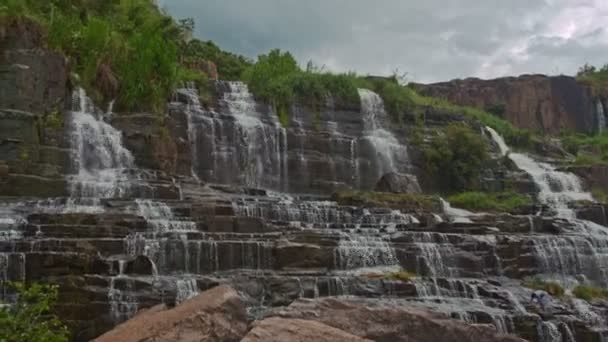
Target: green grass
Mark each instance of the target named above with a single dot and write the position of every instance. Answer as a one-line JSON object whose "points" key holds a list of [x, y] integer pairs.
{"points": [[600, 196], [552, 288], [385, 199], [588, 149], [588, 292], [490, 201], [127, 50]]}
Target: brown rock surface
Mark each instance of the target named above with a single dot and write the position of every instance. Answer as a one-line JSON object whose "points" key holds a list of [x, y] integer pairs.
{"points": [[535, 102], [215, 315], [277, 329], [383, 323]]}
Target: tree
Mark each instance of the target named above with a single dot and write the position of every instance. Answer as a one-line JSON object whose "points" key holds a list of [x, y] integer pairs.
{"points": [[456, 157], [30, 318]]}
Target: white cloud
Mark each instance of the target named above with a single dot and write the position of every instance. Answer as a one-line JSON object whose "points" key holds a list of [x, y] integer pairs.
{"points": [[433, 40]]}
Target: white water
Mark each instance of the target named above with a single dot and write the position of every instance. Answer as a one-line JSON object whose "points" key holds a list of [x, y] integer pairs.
{"points": [[160, 216], [389, 151], [98, 155], [359, 250], [601, 117], [557, 188], [186, 289], [456, 215]]}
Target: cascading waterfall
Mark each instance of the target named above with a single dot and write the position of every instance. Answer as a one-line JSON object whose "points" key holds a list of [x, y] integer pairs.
{"points": [[390, 153], [557, 189], [585, 252], [360, 250], [160, 216], [99, 157], [601, 116], [186, 289], [243, 146]]}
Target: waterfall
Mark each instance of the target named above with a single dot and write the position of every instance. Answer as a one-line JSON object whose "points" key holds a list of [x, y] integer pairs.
{"points": [[160, 216], [389, 152], [601, 116], [238, 144], [557, 189], [357, 250], [186, 289], [99, 157]]}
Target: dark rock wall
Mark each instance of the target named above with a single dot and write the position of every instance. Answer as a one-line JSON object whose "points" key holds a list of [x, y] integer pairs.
{"points": [[535, 102]]}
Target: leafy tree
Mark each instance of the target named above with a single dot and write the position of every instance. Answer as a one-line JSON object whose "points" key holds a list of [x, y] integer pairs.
{"points": [[456, 156], [30, 318]]}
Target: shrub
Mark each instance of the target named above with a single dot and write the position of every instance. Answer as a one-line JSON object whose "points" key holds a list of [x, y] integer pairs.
{"points": [[588, 292], [30, 318], [455, 156], [552, 288], [484, 201]]}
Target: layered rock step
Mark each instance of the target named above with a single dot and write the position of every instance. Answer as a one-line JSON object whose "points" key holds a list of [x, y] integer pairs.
{"points": [[276, 249]]}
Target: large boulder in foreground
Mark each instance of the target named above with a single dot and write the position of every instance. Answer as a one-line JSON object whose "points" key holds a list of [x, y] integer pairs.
{"points": [[277, 329], [391, 323], [215, 315]]}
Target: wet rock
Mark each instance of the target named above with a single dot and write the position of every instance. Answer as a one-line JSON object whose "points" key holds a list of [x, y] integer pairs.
{"points": [[398, 183], [297, 330], [215, 315], [140, 265]]}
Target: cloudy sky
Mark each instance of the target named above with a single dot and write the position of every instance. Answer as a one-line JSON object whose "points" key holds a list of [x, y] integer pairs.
{"points": [[431, 40]]}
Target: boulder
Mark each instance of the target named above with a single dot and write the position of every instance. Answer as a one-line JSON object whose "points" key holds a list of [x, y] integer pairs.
{"points": [[296, 330], [398, 183], [390, 323], [214, 315]]}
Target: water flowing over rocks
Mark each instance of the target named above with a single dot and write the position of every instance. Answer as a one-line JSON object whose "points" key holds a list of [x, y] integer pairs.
{"points": [[125, 215]]}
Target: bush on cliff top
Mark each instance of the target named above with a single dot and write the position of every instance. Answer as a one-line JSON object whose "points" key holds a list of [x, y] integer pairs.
{"points": [[30, 318], [490, 201], [277, 79], [123, 49]]}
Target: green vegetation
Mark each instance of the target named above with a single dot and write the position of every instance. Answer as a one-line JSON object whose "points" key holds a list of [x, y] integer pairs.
{"points": [[123, 49], [30, 318], [385, 199], [600, 196], [490, 201], [53, 120], [278, 80], [588, 292], [588, 149], [230, 66], [456, 156], [552, 288], [593, 76]]}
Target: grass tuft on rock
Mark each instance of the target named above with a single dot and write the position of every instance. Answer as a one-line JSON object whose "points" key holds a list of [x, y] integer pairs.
{"points": [[490, 201], [551, 287], [589, 292]]}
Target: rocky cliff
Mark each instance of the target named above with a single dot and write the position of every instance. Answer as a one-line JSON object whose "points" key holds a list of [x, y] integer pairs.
{"points": [[547, 104]]}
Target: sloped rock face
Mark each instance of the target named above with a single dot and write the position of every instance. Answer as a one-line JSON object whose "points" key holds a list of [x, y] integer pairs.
{"points": [[535, 102], [279, 329], [215, 315], [385, 323]]}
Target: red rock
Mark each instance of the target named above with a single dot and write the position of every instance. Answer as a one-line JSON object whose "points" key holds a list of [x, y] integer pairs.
{"points": [[277, 329], [215, 315]]}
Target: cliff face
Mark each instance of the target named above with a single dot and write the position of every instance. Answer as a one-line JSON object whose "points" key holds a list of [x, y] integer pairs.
{"points": [[536, 102]]}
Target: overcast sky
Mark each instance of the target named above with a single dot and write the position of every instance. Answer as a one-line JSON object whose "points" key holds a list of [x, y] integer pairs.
{"points": [[431, 40]]}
